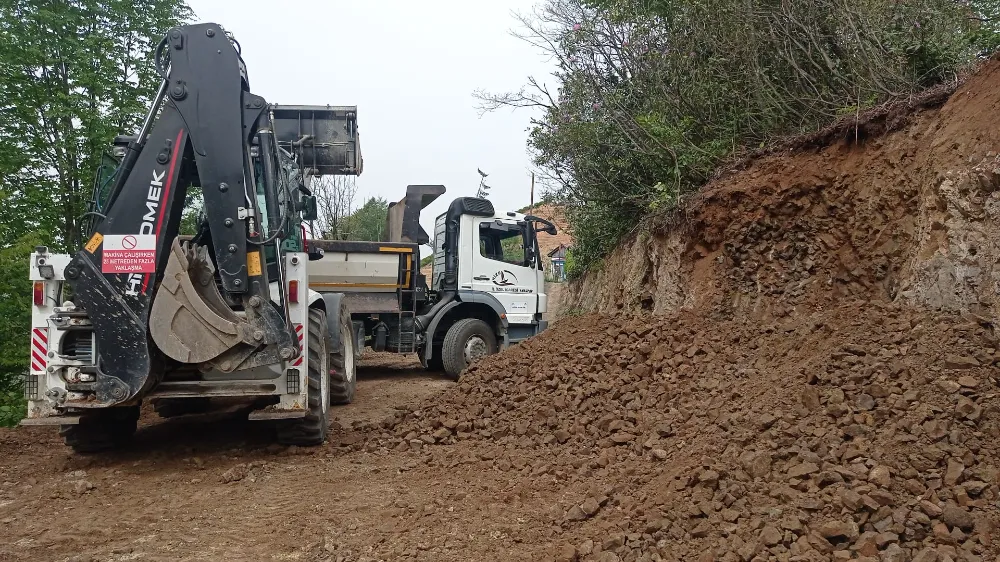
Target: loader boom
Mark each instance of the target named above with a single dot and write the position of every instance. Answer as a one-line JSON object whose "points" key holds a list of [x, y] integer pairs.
{"points": [[201, 137]]}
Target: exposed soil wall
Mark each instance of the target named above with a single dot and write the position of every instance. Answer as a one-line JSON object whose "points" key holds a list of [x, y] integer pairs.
{"points": [[910, 217]]}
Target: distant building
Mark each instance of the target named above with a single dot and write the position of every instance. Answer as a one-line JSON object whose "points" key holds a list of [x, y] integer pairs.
{"points": [[557, 263]]}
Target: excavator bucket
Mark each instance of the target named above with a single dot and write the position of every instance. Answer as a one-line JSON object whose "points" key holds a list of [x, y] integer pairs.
{"points": [[189, 321]]}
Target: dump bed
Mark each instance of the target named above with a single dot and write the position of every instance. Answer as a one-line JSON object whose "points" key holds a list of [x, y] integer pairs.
{"points": [[366, 267]]}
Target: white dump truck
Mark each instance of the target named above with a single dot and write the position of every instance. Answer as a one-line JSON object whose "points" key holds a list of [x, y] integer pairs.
{"points": [[486, 291]]}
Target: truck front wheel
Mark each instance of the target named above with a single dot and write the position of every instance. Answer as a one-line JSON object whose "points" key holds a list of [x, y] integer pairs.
{"points": [[467, 340]]}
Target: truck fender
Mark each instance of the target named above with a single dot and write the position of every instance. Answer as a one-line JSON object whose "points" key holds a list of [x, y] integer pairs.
{"points": [[485, 298], [332, 302], [470, 297]]}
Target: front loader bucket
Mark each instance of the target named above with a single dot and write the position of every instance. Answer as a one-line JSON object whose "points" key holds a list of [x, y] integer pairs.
{"points": [[189, 321]]}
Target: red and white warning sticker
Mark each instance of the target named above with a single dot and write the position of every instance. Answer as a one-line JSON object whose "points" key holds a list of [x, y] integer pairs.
{"points": [[129, 253]]}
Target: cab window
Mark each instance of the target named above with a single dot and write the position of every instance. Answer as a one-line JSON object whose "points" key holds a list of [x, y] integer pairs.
{"points": [[502, 242]]}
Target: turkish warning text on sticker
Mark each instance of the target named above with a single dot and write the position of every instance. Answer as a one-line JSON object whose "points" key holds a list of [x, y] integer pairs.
{"points": [[129, 253]]}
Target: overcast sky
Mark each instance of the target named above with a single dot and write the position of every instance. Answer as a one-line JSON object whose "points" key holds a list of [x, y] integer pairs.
{"points": [[411, 68]]}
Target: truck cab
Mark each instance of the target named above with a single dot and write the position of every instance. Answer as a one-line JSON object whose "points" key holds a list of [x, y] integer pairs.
{"points": [[498, 263]]}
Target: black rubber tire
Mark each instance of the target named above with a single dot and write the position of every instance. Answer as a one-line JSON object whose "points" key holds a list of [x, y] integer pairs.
{"points": [[101, 431], [173, 407], [453, 348], [343, 362], [312, 429]]}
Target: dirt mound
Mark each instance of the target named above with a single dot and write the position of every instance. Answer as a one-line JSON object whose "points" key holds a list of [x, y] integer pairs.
{"points": [[863, 431], [818, 380]]}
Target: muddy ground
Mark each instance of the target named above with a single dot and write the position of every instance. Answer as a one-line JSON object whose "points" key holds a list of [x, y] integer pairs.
{"points": [[216, 487]]}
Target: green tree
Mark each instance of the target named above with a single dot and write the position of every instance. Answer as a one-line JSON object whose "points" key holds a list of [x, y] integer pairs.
{"points": [[653, 94], [368, 222], [73, 74]]}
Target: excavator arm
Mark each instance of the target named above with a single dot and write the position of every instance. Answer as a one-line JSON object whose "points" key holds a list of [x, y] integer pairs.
{"points": [[152, 299]]}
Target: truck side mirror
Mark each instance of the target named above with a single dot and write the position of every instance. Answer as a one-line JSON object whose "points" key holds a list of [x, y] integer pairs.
{"points": [[309, 211]]}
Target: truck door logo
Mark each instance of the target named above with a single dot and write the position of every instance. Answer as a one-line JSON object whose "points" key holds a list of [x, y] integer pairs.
{"points": [[504, 278]]}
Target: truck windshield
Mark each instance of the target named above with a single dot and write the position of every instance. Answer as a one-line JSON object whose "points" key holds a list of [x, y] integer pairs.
{"points": [[503, 242]]}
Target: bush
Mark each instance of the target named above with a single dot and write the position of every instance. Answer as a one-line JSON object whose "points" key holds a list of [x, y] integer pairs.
{"points": [[15, 326], [13, 407]]}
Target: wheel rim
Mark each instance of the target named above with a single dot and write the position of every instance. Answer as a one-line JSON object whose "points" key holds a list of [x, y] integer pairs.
{"points": [[475, 348], [324, 382], [346, 335]]}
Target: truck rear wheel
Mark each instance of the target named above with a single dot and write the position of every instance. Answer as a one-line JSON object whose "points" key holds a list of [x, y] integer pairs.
{"points": [[102, 430], [466, 341], [343, 361], [311, 429]]}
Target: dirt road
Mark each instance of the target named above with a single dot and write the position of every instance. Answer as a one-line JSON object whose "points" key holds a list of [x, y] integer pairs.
{"points": [[193, 490]]}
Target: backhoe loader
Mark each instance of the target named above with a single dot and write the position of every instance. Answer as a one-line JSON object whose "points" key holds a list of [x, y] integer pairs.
{"points": [[141, 313]]}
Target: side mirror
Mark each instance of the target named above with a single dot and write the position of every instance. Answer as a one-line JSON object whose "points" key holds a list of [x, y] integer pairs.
{"points": [[309, 211], [542, 225]]}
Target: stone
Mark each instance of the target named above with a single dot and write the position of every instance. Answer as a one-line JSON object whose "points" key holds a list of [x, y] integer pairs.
{"points": [[621, 438], [576, 513], [701, 530], [83, 486], [953, 474], [810, 398], [974, 487], [567, 553], [930, 508], [866, 402], [590, 506], [770, 535], [757, 465], [955, 361], [880, 476], [893, 553], [968, 381], [886, 538], [837, 529], [948, 386], [803, 469], [709, 478], [850, 499], [955, 516], [659, 454], [926, 555]]}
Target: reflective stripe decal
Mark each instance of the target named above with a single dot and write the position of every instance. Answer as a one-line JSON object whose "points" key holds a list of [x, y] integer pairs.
{"points": [[302, 351], [39, 349]]}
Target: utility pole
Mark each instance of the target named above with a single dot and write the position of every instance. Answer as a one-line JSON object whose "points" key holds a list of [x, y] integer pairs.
{"points": [[532, 190]]}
